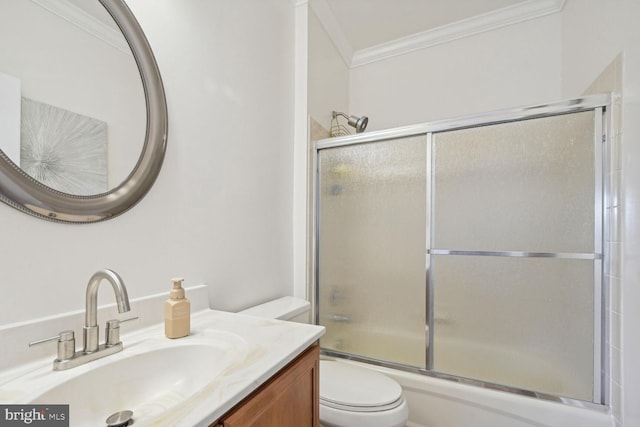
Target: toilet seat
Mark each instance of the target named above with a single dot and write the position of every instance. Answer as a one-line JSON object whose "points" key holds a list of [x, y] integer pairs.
{"points": [[354, 396], [351, 388], [341, 407]]}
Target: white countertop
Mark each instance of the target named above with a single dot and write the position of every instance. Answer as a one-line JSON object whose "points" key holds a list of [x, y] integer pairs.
{"points": [[262, 346]]}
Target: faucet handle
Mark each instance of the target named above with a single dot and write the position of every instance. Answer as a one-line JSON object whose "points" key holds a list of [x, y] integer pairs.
{"points": [[112, 331], [66, 344]]}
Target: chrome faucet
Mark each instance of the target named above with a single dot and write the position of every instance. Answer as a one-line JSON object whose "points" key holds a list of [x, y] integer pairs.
{"points": [[67, 356]]}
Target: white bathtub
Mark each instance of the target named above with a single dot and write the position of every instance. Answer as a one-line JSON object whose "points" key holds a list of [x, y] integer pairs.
{"points": [[435, 402]]}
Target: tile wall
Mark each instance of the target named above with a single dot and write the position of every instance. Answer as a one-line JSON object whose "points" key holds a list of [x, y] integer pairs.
{"points": [[610, 80]]}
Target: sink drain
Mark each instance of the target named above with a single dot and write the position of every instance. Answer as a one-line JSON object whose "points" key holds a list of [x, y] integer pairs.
{"points": [[120, 419]]}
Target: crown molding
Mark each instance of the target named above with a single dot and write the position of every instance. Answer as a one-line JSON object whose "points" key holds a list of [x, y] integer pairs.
{"points": [[86, 22], [328, 20], [500, 18]]}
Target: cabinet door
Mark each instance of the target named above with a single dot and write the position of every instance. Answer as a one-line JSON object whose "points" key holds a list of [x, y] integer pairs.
{"points": [[290, 399]]}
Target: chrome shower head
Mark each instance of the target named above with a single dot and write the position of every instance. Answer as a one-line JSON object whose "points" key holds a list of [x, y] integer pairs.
{"points": [[360, 123]]}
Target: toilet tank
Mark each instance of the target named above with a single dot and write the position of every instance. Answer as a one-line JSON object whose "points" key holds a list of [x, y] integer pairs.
{"points": [[285, 308]]}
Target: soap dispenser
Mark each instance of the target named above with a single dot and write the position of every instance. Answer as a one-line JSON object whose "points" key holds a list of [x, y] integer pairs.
{"points": [[177, 312]]}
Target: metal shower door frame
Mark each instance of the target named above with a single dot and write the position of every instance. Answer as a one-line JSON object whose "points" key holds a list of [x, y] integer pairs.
{"points": [[600, 104]]}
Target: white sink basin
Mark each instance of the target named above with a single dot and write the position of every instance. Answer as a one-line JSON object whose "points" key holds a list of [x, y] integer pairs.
{"points": [[151, 378], [187, 382]]}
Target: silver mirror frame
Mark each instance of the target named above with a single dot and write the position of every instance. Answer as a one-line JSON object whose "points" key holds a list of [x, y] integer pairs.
{"points": [[22, 192]]}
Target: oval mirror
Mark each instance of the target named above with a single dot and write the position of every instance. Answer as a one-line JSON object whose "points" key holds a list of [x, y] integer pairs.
{"points": [[83, 118]]}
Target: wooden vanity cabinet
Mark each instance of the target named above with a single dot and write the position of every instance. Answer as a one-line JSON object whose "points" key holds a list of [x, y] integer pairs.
{"points": [[289, 399]]}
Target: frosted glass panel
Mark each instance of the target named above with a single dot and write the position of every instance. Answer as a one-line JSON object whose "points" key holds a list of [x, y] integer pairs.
{"points": [[486, 201], [371, 266], [520, 186], [520, 322]]}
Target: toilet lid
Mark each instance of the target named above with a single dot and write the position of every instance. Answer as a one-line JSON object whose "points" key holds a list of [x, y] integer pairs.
{"points": [[343, 385]]}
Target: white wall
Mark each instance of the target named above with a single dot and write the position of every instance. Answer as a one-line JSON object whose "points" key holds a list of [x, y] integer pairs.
{"points": [[509, 67], [220, 212], [10, 113], [328, 75]]}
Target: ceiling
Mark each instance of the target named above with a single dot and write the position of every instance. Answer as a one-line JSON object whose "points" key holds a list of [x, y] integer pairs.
{"points": [[367, 23]]}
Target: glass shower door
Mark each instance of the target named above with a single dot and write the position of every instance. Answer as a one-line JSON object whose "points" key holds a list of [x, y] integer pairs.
{"points": [[516, 221], [471, 249], [371, 274]]}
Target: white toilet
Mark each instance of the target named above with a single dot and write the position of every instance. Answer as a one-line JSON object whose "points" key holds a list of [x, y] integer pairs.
{"points": [[349, 395]]}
